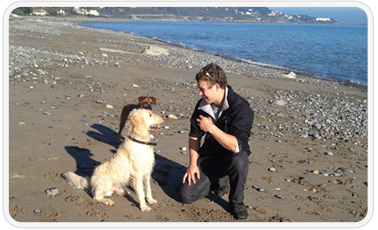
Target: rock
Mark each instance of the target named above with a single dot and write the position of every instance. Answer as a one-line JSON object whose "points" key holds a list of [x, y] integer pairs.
{"points": [[279, 102], [172, 117], [290, 75], [109, 106], [37, 211], [329, 153], [279, 196], [272, 169], [344, 169], [52, 191], [155, 51]]}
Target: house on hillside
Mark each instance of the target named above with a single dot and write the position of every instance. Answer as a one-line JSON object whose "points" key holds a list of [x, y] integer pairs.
{"points": [[40, 12], [323, 19], [79, 10], [62, 12], [94, 12]]}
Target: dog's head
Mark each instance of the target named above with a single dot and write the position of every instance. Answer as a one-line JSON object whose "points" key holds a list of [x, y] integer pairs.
{"points": [[142, 121], [145, 102]]}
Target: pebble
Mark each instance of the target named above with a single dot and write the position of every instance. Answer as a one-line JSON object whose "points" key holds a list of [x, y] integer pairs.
{"points": [[37, 211], [52, 191], [109, 106], [279, 196], [272, 169], [172, 117], [81, 95], [22, 123], [46, 113], [279, 102], [346, 169], [329, 153]]}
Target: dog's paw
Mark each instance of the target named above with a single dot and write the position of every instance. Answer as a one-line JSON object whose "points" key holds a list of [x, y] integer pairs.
{"points": [[151, 201], [109, 202], [145, 208]]}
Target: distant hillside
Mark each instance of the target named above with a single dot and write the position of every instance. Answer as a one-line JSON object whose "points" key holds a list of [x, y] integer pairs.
{"points": [[206, 14]]}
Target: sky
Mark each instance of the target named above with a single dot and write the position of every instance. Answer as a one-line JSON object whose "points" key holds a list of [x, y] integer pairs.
{"points": [[344, 15]]}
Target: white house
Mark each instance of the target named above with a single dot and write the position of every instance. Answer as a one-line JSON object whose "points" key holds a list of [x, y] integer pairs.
{"points": [[62, 12], [94, 12], [40, 12], [323, 19]]}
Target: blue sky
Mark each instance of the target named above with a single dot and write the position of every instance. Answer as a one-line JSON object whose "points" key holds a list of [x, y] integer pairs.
{"points": [[345, 15]]}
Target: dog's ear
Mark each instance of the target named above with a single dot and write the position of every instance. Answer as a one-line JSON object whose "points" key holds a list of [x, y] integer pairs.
{"points": [[140, 100], [153, 100], [137, 123]]}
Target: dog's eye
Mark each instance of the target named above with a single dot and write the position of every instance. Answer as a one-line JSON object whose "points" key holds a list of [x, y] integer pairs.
{"points": [[150, 115]]}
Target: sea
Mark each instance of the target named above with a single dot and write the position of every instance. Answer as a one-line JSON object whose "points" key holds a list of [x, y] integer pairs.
{"points": [[336, 52]]}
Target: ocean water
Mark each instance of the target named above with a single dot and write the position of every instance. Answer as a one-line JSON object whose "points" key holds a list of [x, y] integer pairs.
{"points": [[329, 51]]}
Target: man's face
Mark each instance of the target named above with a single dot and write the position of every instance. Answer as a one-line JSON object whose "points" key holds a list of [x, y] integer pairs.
{"points": [[207, 91]]}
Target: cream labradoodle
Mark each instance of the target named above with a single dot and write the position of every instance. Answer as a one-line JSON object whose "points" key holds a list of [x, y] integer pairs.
{"points": [[134, 161]]}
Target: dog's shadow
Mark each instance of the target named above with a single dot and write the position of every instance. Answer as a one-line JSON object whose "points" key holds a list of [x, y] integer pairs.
{"points": [[106, 135]]}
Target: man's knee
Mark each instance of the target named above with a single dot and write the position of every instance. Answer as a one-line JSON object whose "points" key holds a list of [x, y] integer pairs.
{"points": [[185, 195], [239, 160]]}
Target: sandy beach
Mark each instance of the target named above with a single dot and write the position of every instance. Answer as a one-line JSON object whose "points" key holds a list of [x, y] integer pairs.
{"points": [[69, 83]]}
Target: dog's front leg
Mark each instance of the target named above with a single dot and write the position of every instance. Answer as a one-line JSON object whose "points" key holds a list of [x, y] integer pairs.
{"points": [[147, 186], [138, 185]]}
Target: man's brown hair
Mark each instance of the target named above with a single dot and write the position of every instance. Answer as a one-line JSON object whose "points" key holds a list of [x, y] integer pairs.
{"points": [[216, 72]]}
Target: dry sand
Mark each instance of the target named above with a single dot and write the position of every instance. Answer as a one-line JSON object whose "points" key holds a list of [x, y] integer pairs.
{"points": [[81, 130]]}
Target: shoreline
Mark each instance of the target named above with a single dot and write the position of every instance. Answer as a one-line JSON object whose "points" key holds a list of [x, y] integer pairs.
{"points": [[69, 83], [267, 65], [83, 21]]}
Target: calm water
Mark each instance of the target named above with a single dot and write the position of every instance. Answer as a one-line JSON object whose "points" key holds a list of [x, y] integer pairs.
{"points": [[331, 51]]}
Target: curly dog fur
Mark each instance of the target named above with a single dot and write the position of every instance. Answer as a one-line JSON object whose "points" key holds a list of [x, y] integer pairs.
{"points": [[133, 161]]}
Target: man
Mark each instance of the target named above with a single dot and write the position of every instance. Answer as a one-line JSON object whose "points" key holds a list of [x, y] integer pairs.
{"points": [[226, 119]]}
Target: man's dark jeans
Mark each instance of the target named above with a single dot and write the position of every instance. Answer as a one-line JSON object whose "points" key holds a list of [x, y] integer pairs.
{"points": [[214, 174]]}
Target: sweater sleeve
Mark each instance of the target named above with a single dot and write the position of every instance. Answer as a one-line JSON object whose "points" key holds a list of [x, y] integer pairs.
{"points": [[195, 130]]}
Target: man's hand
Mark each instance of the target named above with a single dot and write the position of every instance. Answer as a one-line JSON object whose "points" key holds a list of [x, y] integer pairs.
{"points": [[205, 123], [190, 174]]}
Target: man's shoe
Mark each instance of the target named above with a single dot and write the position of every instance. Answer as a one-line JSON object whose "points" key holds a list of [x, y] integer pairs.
{"points": [[222, 191], [238, 210]]}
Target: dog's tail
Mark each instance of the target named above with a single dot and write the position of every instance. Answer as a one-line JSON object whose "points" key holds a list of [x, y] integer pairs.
{"points": [[77, 181]]}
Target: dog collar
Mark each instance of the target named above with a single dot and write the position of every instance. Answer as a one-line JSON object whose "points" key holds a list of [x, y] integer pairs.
{"points": [[140, 142]]}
